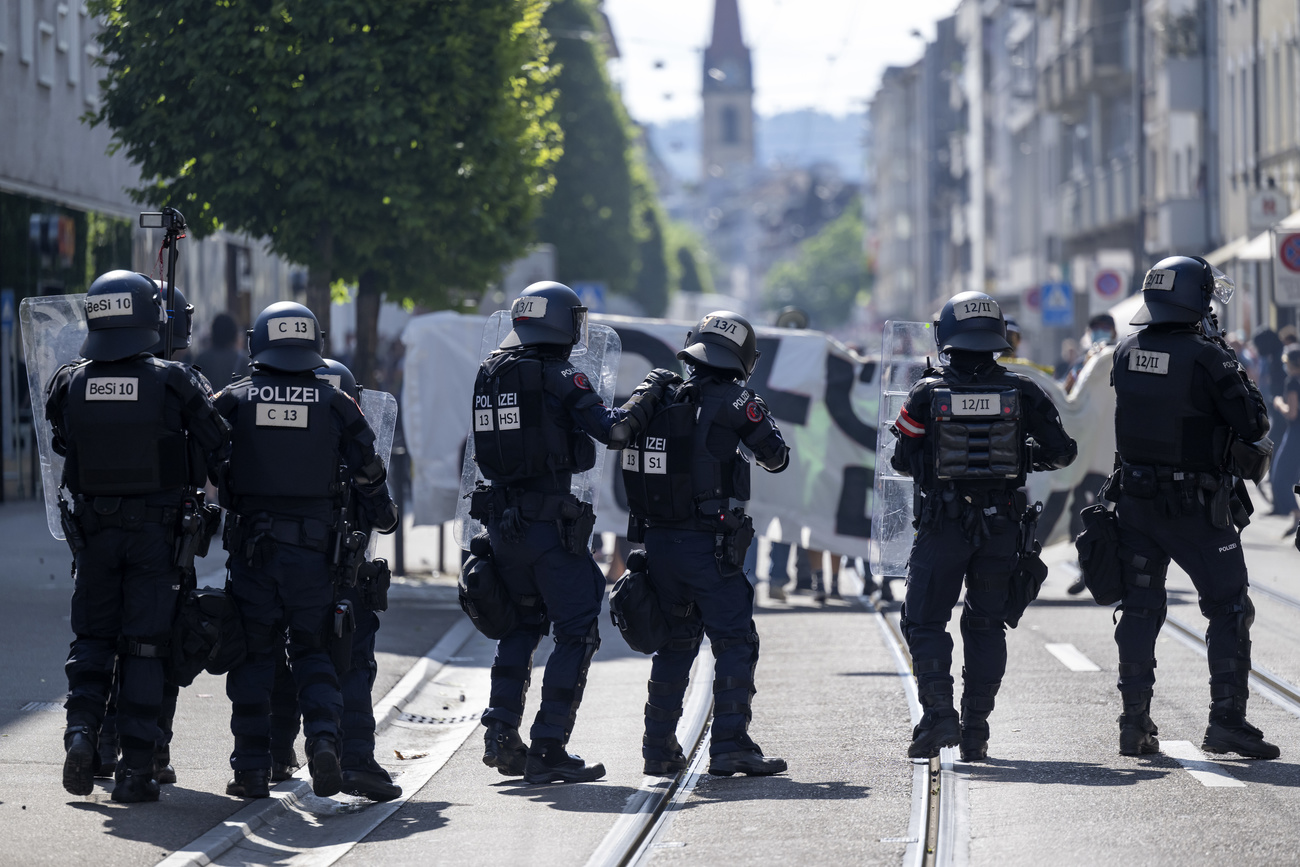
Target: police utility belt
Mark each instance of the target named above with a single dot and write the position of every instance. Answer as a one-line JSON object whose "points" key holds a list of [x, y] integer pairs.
{"points": [[514, 507], [245, 533], [732, 529], [1185, 492]]}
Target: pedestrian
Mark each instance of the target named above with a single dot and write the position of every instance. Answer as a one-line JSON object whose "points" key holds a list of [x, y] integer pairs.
{"points": [[123, 521], [291, 432], [1285, 469], [1181, 398], [224, 360], [964, 435], [1101, 333], [535, 417], [684, 479]]}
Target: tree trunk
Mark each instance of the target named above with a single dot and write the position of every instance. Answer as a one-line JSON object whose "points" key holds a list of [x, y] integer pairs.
{"points": [[369, 295], [319, 277]]}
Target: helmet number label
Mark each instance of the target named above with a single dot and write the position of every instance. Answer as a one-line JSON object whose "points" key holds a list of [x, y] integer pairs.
{"points": [[1159, 278], [291, 328], [112, 388], [728, 328], [281, 415], [528, 307], [1143, 361], [113, 304], [977, 308]]}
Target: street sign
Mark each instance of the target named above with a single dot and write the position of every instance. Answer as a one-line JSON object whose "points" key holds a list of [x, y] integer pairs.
{"points": [[1058, 305], [1265, 208], [1108, 283], [1286, 268], [1034, 297], [592, 293]]}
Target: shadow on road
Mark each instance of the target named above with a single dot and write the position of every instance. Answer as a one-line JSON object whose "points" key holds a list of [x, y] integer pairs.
{"points": [[571, 797], [1267, 773], [711, 790], [1070, 773], [414, 818]]}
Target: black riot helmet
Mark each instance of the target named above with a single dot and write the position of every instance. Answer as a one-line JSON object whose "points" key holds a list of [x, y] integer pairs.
{"points": [[971, 321], [286, 336], [1179, 289], [724, 340], [124, 313], [336, 373], [180, 319], [547, 313]]}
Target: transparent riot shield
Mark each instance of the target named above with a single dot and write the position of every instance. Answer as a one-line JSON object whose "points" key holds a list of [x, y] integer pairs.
{"points": [[53, 327], [907, 345], [597, 356], [380, 410]]}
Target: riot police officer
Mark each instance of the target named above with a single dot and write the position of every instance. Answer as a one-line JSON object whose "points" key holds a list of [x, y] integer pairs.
{"points": [[536, 432], [684, 476], [968, 433], [290, 434], [126, 508], [1184, 408]]}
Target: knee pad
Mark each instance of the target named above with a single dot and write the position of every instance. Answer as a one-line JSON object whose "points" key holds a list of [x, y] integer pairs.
{"points": [[971, 622]]}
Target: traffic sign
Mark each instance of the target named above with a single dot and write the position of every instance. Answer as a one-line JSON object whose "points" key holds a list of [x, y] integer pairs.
{"points": [[1108, 283], [1286, 268], [1057, 301], [592, 293]]}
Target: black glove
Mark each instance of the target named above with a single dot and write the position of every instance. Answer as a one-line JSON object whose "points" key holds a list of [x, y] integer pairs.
{"points": [[645, 398]]}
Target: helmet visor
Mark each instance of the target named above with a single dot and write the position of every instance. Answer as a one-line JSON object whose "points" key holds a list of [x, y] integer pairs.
{"points": [[579, 331], [1224, 288]]}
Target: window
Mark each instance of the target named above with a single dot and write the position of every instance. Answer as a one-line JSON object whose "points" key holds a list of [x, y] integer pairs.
{"points": [[1233, 124], [730, 125], [1175, 182]]}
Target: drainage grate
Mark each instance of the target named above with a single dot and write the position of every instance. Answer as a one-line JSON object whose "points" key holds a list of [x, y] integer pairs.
{"points": [[54, 706], [420, 719]]}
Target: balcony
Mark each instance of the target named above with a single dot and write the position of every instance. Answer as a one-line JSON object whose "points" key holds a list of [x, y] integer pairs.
{"points": [[1101, 202], [1099, 60]]}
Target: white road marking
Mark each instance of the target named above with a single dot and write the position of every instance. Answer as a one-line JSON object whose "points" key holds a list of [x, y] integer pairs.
{"points": [[1071, 657], [1204, 771]]}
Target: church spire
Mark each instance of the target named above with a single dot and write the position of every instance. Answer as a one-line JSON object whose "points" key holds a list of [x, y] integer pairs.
{"points": [[728, 95], [726, 60]]}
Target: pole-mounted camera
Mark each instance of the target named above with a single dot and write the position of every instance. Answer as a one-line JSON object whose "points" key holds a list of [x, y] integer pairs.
{"points": [[172, 222]]}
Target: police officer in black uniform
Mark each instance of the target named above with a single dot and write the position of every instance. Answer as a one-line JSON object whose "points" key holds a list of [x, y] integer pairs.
{"points": [[968, 433], [684, 476], [535, 415], [291, 431], [1183, 407], [126, 507]]}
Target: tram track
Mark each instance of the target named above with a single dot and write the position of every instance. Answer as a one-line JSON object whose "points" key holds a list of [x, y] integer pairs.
{"points": [[1277, 690]]}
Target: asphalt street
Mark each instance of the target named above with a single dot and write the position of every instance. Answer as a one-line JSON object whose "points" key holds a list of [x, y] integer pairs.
{"points": [[830, 700]]}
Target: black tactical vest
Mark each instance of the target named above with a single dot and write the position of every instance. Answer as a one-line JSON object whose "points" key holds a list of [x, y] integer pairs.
{"points": [[119, 441], [1158, 420], [516, 436], [977, 432], [284, 442], [669, 470]]}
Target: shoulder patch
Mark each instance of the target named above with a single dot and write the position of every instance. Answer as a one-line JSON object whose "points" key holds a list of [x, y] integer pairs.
{"points": [[753, 412], [580, 380]]}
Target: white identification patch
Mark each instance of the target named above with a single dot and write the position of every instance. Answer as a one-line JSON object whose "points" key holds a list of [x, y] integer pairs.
{"points": [[508, 419], [281, 415], [631, 460], [728, 328], [976, 404], [1159, 278], [291, 328], [656, 463], [112, 388], [1144, 361], [483, 419], [977, 308], [528, 307], [116, 304], [333, 379]]}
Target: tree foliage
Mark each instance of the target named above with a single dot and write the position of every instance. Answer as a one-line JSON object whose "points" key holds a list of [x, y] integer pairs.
{"points": [[403, 138], [827, 275]]}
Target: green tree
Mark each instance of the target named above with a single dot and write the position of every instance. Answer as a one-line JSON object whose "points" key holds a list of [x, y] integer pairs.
{"points": [[399, 143], [590, 216], [827, 276], [690, 271]]}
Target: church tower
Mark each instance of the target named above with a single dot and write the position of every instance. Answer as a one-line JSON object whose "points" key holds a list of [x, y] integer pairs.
{"points": [[728, 132]]}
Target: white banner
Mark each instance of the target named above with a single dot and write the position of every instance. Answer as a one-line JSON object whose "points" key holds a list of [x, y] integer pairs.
{"points": [[824, 399]]}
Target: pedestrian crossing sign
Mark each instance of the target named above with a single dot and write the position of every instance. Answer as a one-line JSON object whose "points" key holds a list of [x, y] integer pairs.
{"points": [[1057, 305]]}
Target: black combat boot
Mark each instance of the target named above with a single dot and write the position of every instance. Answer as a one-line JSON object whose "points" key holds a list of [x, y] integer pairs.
{"points": [[284, 764], [368, 780], [747, 759], [504, 750], [1137, 733], [663, 756], [254, 783], [323, 763], [550, 762], [939, 726], [80, 762], [976, 704], [135, 785], [163, 771], [108, 754], [1228, 731]]}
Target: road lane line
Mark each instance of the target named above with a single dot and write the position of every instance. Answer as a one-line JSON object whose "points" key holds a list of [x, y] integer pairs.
{"points": [[1071, 657], [1204, 771]]}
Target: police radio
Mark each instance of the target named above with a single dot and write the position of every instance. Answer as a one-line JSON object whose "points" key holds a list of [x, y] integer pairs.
{"points": [[172, 222]]}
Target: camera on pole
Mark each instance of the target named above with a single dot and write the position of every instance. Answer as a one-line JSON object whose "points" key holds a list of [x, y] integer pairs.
{"points": [[172, 222]]}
